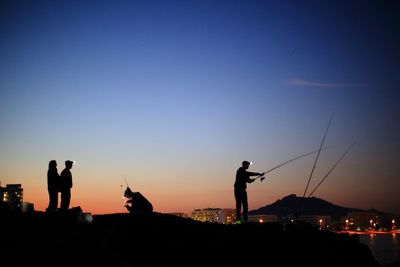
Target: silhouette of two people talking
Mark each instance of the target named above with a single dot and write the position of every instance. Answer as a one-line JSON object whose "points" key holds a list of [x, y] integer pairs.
{"points": [[59, 184]]}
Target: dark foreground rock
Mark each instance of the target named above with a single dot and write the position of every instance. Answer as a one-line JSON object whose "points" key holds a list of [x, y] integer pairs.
{"points": [[157, 239]]}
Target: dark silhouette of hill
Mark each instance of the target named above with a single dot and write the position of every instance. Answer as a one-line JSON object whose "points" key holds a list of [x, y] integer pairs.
{"points": [[291, 204], [157, 239]]}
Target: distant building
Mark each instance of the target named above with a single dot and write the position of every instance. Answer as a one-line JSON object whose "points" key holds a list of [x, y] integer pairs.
{"points": [[214, 215], [321, 221], [263, 218], [227, 216], [179, 214], [369, 220], [12, 194], [205, 215], [27, 207]]}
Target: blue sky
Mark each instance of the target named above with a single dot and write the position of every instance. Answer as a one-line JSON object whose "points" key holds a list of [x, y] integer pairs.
{"points": [[174, 95]]}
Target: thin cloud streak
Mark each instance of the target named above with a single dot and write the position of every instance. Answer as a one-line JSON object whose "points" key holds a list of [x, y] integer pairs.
{"points": [[300, 82]]}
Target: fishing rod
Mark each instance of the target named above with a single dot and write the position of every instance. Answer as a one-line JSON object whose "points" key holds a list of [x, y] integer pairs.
{"points": [[319, 151], [300, 210], [337, 162], [126, 182], [286, 162]]}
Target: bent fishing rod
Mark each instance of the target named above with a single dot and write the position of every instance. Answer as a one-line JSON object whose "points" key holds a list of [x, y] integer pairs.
{"points": [[316, 159], [262, 177], [315, 163], [334, 166]]}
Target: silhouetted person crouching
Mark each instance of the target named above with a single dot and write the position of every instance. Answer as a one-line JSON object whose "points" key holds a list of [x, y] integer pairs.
{"points": [[136, 202], [66, 185]]}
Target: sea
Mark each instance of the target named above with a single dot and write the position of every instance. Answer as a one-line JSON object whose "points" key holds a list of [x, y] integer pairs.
{"points": [[384, 247]]}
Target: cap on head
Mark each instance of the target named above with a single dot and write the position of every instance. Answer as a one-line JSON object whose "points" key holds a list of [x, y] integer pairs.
{"points": [[69, 163], [246, 163], [128, 192]]}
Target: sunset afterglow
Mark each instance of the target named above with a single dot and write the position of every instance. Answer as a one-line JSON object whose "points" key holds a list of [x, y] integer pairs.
{"points": [[174, 95]]}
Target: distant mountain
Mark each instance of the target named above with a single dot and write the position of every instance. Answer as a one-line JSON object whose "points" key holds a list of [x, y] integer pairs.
{"points": [[293, 204]]}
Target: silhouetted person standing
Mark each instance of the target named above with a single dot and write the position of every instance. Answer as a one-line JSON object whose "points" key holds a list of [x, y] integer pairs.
{"points": [[66, 185], [53, 185], [242, 178]]}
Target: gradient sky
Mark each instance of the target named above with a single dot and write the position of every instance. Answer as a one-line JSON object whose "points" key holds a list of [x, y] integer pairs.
{"points": [[174, 95]]}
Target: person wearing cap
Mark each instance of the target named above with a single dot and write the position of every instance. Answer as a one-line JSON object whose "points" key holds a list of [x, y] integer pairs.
{"points": [[66, 185], [242, 178]]}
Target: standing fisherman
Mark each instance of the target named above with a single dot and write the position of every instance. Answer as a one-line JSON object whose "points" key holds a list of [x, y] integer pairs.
{"points": [[242, 178], [66, 185]]}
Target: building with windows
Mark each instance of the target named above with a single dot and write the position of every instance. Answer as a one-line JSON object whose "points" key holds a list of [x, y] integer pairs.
{"points": [[227, 216], [214, 215], [369, 220], [12, 194]]}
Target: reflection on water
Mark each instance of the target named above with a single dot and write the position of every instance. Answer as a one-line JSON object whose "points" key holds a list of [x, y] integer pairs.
{"points": [[384, 247]]}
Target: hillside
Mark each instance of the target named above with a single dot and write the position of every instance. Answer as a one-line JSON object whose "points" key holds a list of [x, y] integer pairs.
{"points": [[165, 240], [293, 204]]}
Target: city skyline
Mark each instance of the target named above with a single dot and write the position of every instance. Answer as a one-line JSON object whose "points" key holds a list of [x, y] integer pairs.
{"points": [[174, 95]]}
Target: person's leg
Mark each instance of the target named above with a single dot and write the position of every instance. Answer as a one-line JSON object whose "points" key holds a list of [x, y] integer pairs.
{"points": [[238, 205], [65, 199], [53, 199], [62, 205], [245, 206], [50, 201]]}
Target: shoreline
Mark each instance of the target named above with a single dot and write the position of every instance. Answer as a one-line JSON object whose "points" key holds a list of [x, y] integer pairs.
{"points": [[370, 232]]}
